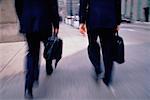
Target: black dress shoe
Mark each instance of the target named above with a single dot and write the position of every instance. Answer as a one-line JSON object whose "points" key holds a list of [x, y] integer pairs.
{"points": [[28, 94], [106, 82], [49, 71]]}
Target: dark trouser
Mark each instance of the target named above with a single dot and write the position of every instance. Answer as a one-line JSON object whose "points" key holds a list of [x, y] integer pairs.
{"points": [[146, 12], [32, 58], [106, 41]]}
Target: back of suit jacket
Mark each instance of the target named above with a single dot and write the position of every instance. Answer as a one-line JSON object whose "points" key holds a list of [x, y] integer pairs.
{"points": [[100, 13], [37, 16]]}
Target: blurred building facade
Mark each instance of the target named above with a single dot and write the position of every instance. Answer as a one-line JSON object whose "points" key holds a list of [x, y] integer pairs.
{"points": [[72, 7], [8, 15], [7, 11], [131, 9], [134, 9]]}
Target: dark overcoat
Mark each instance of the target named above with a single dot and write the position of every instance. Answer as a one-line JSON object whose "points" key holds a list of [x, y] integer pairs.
{"points": [[37, 16], [100, 13]]}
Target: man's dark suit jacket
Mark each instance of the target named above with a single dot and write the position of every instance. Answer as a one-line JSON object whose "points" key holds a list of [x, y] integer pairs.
{"points": [[100, 13], [37, 16]]}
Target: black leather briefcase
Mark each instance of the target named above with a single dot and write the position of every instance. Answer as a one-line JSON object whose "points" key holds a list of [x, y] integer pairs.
{"points": [[118, 49], [53, 49]]}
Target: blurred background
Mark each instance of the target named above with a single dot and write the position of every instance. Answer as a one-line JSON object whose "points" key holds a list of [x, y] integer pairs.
{"points": [[132, 11]]}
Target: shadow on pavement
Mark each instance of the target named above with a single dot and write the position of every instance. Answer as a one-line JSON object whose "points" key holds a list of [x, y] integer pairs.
{"points": [[73, 79]]}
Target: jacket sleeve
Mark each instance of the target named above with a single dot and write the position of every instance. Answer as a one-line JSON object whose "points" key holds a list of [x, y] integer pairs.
{"points": [[19, 8], [55, 15], [118, 11], [83, 10]]}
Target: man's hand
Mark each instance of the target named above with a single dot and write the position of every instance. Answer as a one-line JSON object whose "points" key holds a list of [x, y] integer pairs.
{"points": [[117, 28], [82, 29]]}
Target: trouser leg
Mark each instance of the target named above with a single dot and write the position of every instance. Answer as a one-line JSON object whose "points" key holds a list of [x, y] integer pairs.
{"points": [[94, 51], [32, 60], [107, 51]]}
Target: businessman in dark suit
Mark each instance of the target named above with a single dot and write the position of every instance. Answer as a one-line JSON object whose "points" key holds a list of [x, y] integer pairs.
{"points": [[38, 19], [101, 18]]}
